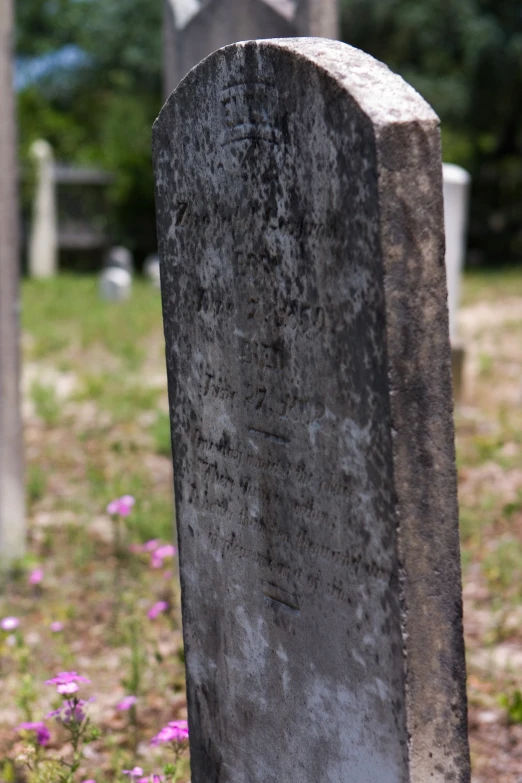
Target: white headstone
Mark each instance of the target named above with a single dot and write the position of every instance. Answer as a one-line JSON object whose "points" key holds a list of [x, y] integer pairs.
{"points": [[43, 242], [456, 194]]}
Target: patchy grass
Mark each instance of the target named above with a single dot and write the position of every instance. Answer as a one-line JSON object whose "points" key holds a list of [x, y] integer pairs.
{"points": [[97, 427]]}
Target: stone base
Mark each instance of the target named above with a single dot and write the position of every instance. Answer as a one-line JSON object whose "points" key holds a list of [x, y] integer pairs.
{"points": [[458, 355]]}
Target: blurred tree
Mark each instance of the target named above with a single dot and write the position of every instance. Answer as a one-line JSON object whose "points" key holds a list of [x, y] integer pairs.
{"points": [[465, 58], [97, 106]]}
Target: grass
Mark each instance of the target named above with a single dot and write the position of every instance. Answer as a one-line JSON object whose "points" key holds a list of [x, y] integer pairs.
{"points": [[97, 427]]}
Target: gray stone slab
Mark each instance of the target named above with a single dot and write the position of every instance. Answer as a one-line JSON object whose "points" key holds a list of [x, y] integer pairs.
{"points": [[193, 29], [12, 512], [299, 209]]}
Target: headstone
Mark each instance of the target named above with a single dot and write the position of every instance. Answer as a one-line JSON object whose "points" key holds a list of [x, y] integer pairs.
{"points": [[457, 183], [43, 241], [151, 268], [456, 195], [195, 28], [116, 277], [12, 512], [300, 226]]}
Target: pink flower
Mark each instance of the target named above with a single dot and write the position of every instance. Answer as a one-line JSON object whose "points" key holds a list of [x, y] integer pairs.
{"points": [[161, 553], [89, 781], [66, 682], [67, 688], [175, 731], [9, 623], [151, 545], [126, 703], [133, 773], [121, 506], [56, 627], [36, 576], [158, 608], [43, 735]]}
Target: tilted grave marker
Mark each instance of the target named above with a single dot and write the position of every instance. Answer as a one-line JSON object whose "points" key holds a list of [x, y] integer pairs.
{"points": [[195, 28], [12, 512], [299, 210]]}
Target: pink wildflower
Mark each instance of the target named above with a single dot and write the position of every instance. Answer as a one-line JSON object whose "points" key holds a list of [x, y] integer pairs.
{"points": [[66, 682], [43, 735], [159, 555], [9, 623], [151, 545], [126, 703], [133, 773], [158, 608], [56, 627], [89, 781], [121, 506], [67, 688], [175, 731], [36, 576]]}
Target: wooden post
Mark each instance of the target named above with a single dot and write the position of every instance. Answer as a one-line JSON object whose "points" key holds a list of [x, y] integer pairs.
{"points": [[12, 512]]}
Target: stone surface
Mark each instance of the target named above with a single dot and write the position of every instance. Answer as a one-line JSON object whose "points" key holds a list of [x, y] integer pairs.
{"points": [[12, 511], [299, 209], [195, 28]]}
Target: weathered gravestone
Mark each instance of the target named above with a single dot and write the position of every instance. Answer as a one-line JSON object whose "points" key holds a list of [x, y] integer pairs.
{"points": [[12, 517], [195, 28], [299, 207]]}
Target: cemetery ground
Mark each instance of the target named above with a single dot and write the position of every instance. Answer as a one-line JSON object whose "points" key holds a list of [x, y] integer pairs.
{"points": [[96, 428]]}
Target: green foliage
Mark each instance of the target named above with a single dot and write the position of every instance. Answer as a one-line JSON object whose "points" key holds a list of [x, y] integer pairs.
{"points": [[512, 703], [465, 58], [101, 112]]}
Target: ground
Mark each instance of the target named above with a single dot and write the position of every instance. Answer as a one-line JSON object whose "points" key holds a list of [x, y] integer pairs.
{"points": [[96, 427]]}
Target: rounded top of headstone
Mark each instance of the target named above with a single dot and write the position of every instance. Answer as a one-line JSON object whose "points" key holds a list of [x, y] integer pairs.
{"points": [[41, 150], [455, 175], [382, 95], [119, 257]]}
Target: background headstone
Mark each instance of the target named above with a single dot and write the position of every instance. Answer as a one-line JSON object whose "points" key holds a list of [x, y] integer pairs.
{"points": [[151, 269], [195, 28], [116, 277], [12, 511], [457, 183], [43, 241], [300, 226]]}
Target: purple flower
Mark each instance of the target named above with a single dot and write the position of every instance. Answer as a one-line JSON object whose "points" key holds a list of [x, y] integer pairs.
{"points": [[158, 608], [126, 703], [43, 734], [56, 627], [71, 711], [175, 731], [121, 506], [9, 623]]}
